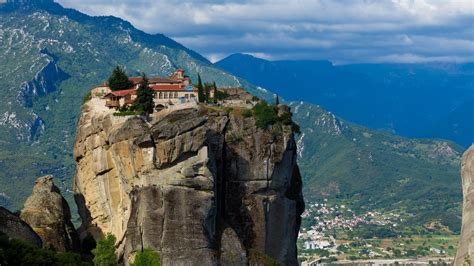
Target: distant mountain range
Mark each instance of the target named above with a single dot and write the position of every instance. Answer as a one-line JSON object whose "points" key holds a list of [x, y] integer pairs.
{"points": [[433, 100], [52, 56]]}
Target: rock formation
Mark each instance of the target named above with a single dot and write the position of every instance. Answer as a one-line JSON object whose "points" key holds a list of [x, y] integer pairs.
{"points": [[200, 185], [47, 212], [12, 226], [465, 250]]}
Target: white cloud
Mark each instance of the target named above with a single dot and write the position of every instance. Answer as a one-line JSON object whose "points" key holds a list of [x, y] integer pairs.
{"points": [[341, 31]]}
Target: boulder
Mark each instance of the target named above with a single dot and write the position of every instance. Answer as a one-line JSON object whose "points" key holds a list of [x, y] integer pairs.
{"points": [[48, 213], [15, 228]]}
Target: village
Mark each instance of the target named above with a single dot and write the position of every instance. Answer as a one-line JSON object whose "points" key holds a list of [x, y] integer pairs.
{"points": [[334, 233]]}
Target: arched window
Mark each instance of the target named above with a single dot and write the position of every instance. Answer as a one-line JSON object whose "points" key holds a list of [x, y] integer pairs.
{"points": [[160, 95]]}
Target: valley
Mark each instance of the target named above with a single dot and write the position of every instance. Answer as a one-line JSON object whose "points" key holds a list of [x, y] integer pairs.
{"points": [[333, 232]]}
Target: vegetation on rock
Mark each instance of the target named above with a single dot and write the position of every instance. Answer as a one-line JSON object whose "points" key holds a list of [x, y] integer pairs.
{"points": [[104, 253], [16, 252], [147, 257]]}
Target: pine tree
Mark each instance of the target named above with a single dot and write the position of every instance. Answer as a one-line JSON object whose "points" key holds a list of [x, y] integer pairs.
{"points": [[201, 96], [145, 95], [118, 80], [104, 253]]}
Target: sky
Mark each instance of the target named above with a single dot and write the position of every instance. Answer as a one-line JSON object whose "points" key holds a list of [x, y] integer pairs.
{"points": [[342, 31]]}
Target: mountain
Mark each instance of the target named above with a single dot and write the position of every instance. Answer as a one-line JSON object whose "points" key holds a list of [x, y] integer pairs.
{"points": [[432, 100], [56, 55]]}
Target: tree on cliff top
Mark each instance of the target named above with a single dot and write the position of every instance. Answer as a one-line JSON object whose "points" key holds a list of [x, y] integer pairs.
{"points": [[201, 96], [145, 95], [118, 80], [104, 253]]}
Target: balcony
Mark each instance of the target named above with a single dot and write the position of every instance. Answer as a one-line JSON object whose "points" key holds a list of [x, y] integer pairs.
{"points": [[112, 103]]}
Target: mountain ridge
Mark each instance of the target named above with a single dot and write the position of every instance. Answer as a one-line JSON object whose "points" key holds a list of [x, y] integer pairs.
{"points": [[413, 100]]}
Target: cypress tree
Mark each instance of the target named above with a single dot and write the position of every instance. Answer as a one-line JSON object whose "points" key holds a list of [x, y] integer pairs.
{"points": [[201, 96], [145, 95], [207, 90], [277, 100], [215, 92], [118, 80]]}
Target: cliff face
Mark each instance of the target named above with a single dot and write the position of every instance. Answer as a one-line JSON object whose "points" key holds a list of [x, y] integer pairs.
{"points": [[465, 250], [47, 212], [196, 185]]}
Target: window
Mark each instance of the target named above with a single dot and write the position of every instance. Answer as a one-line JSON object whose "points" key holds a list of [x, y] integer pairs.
{"points": [[166, 95], [176, 94], [160, 95]]}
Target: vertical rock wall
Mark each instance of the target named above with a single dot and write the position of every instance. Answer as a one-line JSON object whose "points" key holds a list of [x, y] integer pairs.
{"points": [[199, 186], [465, 252]]}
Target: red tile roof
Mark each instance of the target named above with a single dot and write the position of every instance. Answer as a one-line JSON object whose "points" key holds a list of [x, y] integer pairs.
{"points": [[124, 92], [167, 87], [153, 80]]}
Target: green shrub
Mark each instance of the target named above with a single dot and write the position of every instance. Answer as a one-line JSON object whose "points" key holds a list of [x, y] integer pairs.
{"points": [[147, 257], [126, 113], [265, 115], [247, 113], [104, 253]]}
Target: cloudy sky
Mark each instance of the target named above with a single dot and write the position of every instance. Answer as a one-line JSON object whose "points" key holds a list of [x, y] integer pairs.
{"points": [[343, 31]]}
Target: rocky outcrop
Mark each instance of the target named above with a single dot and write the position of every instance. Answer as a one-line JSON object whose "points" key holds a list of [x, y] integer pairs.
{"points": [[465, 252], [47, 212], [12, 226], [199, 185]]}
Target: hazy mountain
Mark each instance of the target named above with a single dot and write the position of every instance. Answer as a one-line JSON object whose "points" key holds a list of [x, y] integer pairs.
{"points": [[415, 100], [52, 56]]}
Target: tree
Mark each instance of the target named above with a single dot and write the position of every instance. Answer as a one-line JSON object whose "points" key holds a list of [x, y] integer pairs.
{"points": [[147, 257], [215, 92], [207, 91], [201, 96], [277, 100], [145, 95], [104, 253], [118, 80]]}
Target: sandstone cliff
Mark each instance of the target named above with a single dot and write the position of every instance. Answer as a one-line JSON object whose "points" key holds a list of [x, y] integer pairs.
{"points": [[465, 250], [47, 212], [199, 185], [12, 226]]}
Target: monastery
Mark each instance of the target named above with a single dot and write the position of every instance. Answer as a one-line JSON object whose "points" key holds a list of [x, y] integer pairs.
{"points": [[175, 89]]}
